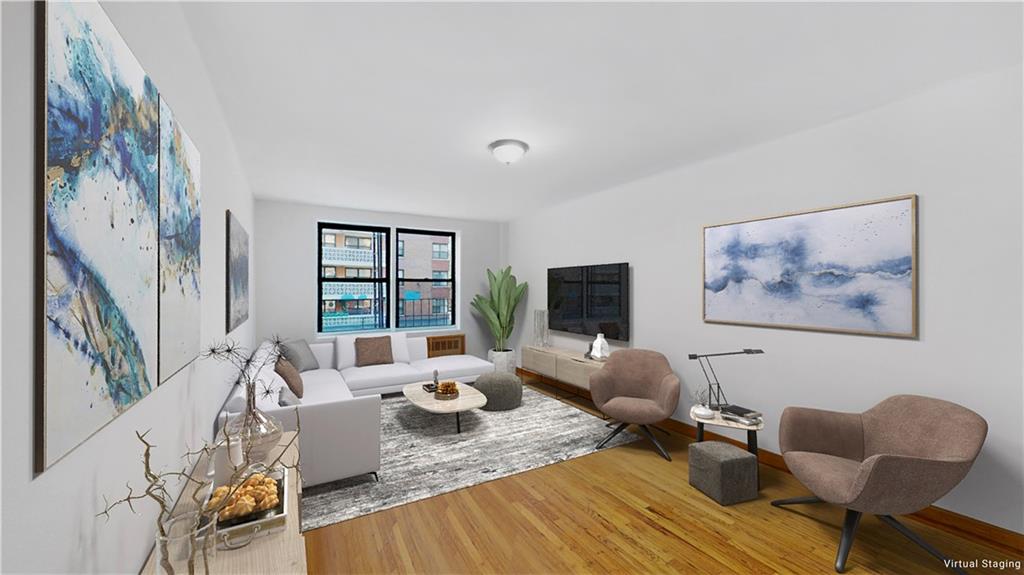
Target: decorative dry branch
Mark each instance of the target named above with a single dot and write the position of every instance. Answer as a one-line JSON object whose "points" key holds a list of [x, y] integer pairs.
{"points": [[156, 481]]}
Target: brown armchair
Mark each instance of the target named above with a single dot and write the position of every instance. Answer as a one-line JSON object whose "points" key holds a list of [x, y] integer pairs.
{"points": [[636, 386], [898, 457]]}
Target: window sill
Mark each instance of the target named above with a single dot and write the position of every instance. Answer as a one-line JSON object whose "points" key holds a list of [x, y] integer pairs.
{"points": [[429, 329]]}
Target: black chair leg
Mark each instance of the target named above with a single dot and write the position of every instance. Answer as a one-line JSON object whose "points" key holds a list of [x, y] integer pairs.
{"points": [[617, 431], [796, 500], [891, 522], [655, 441], [846, 541]]}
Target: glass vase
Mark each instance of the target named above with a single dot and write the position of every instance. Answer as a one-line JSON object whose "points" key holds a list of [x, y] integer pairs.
{"points": [[259, 434], [540, 328], [186, 543]]}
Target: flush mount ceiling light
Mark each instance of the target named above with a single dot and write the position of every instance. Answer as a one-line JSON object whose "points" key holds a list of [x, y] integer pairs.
{"points": [[508, 151]]}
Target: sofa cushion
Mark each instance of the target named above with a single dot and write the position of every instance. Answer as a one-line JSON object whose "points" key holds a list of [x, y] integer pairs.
{"points": [[417, 348], [298, 353], [452, 366], [290, 375], [345, 350], [373, 351], [380, 375], [323, 385]]}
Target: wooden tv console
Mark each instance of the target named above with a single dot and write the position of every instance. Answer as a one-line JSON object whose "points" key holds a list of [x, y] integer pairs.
{"points": [[560, 365]]}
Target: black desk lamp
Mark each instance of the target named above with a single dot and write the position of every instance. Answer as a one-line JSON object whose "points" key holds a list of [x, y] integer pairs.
{"points": [[716, 397]]}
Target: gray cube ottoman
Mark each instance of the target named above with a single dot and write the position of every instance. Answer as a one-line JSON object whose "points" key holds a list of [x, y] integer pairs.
{"points": [[723, 472], [503, 390]]}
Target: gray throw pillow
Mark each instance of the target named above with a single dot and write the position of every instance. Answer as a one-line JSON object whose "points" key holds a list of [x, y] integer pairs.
{"points": [[297, 353]]}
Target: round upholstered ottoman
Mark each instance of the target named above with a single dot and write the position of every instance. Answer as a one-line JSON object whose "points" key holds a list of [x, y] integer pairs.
{"points": [[503, 390]]}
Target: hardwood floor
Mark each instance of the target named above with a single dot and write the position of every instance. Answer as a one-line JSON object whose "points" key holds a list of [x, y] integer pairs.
{"points": [[622, 510]]}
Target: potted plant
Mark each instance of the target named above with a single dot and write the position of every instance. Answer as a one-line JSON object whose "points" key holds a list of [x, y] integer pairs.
{"points": [[498, 309]]}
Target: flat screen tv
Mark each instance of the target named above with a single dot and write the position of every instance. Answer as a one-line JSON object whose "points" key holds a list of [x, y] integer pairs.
{"points": [[590, 300]]}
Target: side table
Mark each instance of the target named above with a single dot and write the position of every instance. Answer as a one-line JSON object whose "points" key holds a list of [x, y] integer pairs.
{"points": [[717, 420]]}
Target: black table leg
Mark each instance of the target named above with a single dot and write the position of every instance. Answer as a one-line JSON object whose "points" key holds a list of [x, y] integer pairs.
{"points": [[752, 447], [458, 423], [700, 431]]}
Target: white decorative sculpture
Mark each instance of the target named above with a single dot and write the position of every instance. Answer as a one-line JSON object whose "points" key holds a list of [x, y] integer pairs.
{"points": [[599, 349]]}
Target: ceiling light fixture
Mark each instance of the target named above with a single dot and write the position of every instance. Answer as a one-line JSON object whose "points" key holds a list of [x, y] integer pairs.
{"points": [[508, 151]]}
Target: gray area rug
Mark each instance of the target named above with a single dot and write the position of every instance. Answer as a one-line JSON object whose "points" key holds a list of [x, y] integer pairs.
{"points": [[422, 455]]}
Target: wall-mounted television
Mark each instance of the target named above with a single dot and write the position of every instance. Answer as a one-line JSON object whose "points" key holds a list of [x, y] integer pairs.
{"points": [[590, 300]]}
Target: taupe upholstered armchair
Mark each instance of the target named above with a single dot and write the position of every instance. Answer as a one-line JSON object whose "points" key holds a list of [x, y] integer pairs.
{"points": [[636, 386], [898, 457]]}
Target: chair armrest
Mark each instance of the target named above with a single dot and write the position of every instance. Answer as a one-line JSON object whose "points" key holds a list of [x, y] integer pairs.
{"points": [[820, 431], [668, 394], [602, 387], [889, 484], [339, 439]]}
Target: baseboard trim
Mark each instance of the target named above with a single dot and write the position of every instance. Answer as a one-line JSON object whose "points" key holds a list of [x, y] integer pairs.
{"points": [[944, 519]]}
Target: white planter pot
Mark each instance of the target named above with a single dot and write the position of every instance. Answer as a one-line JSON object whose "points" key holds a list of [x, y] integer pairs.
{"points": [[503, 360]]}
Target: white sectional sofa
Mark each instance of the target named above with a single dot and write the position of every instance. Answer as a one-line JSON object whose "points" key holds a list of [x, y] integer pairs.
{"points": [[340, 408]]}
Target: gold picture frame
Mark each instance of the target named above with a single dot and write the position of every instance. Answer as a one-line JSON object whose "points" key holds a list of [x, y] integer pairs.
{"points": [[911, 333]]}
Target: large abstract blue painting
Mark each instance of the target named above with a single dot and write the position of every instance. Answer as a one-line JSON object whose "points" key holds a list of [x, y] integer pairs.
{"points": [[849, 269], [100, 231], [179, 246]]}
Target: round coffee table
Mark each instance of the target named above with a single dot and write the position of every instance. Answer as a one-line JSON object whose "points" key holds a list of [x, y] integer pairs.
{"points": [[468, 399]]}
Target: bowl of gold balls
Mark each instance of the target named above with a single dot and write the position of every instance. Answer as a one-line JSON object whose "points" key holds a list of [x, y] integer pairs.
{"points": [[446, 390]]}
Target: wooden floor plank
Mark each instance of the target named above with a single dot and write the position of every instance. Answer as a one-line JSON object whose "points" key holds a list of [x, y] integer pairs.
{"points": [[621, 510]]}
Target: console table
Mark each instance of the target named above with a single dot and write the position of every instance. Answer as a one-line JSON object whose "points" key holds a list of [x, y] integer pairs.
{"points": [[561, 365], [281, 552]]}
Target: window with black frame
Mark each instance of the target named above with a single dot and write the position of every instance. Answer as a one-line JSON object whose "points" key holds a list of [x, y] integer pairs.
{"points": [[354, 279], [426, 289]]}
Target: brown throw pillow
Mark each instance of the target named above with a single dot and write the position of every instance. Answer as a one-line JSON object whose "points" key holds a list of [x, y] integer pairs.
{"points": [[373, 351], [290, 375]]}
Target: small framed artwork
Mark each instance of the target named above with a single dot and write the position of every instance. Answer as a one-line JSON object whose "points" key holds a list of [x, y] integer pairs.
{"points": [[237, 284], [847, 269]]}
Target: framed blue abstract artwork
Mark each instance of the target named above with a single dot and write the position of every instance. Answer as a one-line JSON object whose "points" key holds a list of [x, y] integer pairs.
{"points": [[237, 304], [180, 293], [849, 269], [100, 226]]}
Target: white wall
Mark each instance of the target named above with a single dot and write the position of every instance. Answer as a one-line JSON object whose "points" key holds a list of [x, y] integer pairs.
{"points": [[49, 522], [287, 258], [957, 146]]}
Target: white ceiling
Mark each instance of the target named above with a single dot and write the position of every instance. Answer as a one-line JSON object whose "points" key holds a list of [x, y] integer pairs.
{"points": [[391, 107]]}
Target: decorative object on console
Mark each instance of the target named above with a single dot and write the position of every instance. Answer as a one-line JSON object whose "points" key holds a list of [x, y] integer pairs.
{"points": [[258, 431], [636, 386], [186, 541], [100, 226], [237, 284], [541, 331], [715, 396], [896, 458], [498, 309], [180, 278], [851, 269], [598, 349]]}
